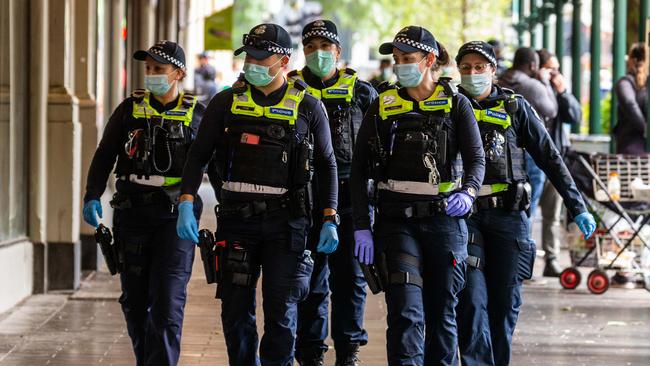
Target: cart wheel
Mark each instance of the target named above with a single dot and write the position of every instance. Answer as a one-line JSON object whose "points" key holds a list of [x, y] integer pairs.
{"points": [[570, 278], [597, 282]]}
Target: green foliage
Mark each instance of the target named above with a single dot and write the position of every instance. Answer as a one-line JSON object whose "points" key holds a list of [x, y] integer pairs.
{"points": [[452, 22], [606, 113], [247, 14]]}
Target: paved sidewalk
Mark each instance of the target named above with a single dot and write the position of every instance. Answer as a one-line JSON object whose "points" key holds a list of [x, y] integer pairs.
{"points": [[556, 327]]}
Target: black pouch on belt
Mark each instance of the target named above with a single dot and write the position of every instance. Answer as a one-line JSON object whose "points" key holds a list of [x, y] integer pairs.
{"points": [[517, 197]]}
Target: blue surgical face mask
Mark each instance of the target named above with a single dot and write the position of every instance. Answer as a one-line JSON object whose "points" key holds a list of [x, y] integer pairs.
{"points": [[258, 75], [157, 84], [320, 63], [409, 75], [476, 84]]}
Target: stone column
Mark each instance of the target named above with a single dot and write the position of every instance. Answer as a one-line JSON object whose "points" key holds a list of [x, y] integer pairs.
{"points": [[141, 17], [167, 27], [84, 90], [38, 86], [5, 109], [63, 152]]}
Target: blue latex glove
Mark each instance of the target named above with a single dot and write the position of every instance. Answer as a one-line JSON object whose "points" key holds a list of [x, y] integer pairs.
{"points": [[364, 248], [92, 209], [459, 204], [586, 224], [186, 226], [329, 238]]}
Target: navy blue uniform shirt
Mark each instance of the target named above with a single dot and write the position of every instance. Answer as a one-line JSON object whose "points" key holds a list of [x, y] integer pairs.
{"points": [[469, 145], [112, 144], [211, 139], [364, 95], [538, 143]]}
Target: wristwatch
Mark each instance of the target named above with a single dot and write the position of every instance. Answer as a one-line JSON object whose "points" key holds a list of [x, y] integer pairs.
{"points": [[336, 219], [471, 192]]}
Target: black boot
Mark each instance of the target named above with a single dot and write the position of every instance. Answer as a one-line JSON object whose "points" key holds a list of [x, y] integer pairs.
{"points": [[348, 355], [310, 357], [552, 268]]}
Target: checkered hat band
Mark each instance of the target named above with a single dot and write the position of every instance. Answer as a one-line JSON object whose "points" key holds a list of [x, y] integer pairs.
{"points": [[167, 57], [280, 50], [487, 55], [417, 45], [321, 33]]}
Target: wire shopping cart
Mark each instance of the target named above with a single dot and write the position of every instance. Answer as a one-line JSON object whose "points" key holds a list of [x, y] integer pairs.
{"points": [[622, 240]]}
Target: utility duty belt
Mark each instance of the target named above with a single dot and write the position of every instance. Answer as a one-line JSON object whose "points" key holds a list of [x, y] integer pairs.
{"points": [[122, 201], [251, 208], [297, 202], [517, 197], [416, 209]]}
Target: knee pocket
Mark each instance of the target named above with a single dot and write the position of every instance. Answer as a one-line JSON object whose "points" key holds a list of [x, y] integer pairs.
{"points": [[300, 286], [132, 253], [298, 230], [526, 262]]}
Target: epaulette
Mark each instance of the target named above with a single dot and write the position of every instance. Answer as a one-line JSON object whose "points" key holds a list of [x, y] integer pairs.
{"points": [[138, 94], [240, 85], [188, 100], [292, 73], [449, 87], [509, 98], [350, 71], [385, 85], [299, 84]]}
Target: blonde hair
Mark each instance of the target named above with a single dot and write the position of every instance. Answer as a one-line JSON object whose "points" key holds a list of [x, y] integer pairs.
{"points": [[637, 64]]}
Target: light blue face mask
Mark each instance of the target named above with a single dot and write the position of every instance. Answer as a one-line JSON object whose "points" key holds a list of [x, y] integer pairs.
{"points": [[320, 63], [409, 75], [258, 75], [157, 84], [476, 84]]}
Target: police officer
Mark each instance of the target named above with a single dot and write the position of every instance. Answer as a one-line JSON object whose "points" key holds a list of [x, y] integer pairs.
{"points": [[409, 144], [346, 99], [149, 133], [500, 254], [264, 134]]}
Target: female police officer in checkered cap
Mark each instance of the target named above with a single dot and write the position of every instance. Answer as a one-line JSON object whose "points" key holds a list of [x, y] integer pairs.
{"points": [[501, 255], [149, 134], [409, 144]]}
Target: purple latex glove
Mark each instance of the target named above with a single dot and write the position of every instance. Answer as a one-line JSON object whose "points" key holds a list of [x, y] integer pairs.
{"points": [[459, 204], [364, 248]]}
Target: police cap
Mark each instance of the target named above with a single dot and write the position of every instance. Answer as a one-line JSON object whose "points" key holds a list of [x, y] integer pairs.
{"points": [[412, 39], [480, 47], [320, 28], [165, 52], [266, 40]]}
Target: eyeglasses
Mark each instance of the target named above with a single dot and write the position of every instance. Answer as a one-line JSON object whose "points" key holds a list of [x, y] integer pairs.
{"points": [[260, 43], [467, 68]]}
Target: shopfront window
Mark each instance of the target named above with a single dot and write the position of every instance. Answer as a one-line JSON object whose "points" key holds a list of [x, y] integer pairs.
{"points": [[14, 120]]}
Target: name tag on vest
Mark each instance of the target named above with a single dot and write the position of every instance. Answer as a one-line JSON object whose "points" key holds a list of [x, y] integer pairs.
{"points": [[337, 91], [436, 102], [176, 113], [282, 111], [495, 114]]}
